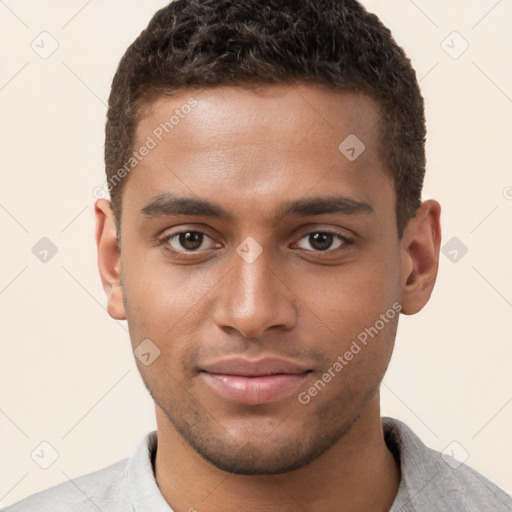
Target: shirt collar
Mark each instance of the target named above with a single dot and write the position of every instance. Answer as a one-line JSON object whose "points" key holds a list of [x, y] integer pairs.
{"points": [[400, 439], [144, 491], [417, 467]]}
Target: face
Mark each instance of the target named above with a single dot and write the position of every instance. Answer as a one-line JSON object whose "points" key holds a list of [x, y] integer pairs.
{"points": [[264, 264]]}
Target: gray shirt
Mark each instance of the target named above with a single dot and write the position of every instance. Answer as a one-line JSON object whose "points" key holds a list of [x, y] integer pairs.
{"points": [[431, 482]]}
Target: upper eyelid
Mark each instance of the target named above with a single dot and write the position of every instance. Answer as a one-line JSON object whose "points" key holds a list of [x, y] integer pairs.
{"points": [[305, 230], [171, 236], [205, 232], [327, 231], [343, 238], [168, 235]]}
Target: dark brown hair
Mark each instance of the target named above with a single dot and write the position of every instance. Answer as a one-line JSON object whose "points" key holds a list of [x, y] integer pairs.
{"points": [[335, 43]]}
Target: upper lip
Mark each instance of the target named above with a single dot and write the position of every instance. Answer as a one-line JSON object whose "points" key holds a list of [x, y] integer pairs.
{"points": [[254, 367]]}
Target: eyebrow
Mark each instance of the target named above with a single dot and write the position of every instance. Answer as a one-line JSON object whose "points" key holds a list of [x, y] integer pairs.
{"points": [[170, 204]]}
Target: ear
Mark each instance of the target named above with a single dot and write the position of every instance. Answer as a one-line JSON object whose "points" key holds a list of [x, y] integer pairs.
{"points": [[420, 246], [109, 258]]}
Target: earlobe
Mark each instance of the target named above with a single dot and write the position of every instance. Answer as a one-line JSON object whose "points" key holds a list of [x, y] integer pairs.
{"points": [[109, 258], [420, 247]]}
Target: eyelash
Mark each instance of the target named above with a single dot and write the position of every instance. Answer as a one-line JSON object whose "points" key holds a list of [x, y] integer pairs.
{"points": [[346, 242]]}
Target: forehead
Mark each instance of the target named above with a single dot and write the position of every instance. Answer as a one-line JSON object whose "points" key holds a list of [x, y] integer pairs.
{"points": [[286, 114], [273, 143]]}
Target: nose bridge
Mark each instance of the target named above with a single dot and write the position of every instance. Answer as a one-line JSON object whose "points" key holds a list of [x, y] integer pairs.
{"points": [[252, 273], [253, 298]]}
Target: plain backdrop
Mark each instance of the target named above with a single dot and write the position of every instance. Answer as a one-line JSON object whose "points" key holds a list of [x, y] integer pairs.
{"points": [[67, 374]]}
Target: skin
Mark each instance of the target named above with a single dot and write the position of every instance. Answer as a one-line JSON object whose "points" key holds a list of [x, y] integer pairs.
{"points": [[251, 152]]}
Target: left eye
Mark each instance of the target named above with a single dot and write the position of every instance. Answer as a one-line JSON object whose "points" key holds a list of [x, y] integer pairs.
{"points": [[323, 241], [188, 240]]}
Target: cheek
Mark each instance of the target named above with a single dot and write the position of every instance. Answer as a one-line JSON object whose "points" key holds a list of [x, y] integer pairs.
{"points": [[350, 298], [162, 300]]}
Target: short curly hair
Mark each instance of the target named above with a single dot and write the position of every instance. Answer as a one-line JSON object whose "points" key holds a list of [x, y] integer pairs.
{"points": [[335, 43]]}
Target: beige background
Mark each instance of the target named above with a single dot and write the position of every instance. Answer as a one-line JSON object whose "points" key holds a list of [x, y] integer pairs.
{"points": [[67, 375]]}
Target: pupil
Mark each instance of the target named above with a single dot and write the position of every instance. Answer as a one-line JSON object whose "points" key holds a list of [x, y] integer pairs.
{"points": [[321, 241], [191, 240]]}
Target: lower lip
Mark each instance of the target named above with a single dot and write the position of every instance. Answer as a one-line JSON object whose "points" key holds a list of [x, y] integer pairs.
{"points": [[254, 390]]}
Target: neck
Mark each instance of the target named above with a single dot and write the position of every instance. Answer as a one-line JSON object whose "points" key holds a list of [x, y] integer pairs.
{"points": [[358, 473]]}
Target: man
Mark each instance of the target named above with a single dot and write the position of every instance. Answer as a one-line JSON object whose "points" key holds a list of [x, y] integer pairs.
{"points": [[265, 162]]}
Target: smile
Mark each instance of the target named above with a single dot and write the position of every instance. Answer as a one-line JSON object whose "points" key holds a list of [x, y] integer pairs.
{"points": [[254, 390], [254, 382]]}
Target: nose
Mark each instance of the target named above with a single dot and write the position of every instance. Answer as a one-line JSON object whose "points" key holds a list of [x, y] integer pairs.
{"points": [[254, 297]]}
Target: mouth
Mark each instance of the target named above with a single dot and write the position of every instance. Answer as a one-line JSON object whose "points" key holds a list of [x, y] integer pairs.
{"points": [[254, 382]]}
